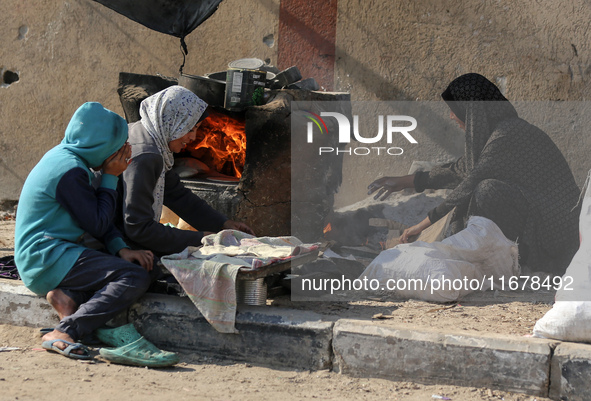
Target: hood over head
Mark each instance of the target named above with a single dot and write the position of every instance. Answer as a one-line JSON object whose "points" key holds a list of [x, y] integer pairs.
{"points": [[95, 133]]}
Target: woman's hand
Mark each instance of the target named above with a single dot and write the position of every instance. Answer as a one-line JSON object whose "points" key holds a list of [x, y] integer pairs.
{"points": [[117, 163], [411, 233], [387, 185], [144, 258], [236, 225]]}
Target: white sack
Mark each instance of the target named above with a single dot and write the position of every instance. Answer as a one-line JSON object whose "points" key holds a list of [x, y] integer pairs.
{"points": [[567, 321], [570, 317], [479, 252]]}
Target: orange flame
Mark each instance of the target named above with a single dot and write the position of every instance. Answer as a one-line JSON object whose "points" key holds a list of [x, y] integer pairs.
{"points": [[327, 228], [221, 143]]}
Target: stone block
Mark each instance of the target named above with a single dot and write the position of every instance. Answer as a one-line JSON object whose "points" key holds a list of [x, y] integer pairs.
{"points": [[570, 379], [21, 307], [267, 336], [369, 349]]}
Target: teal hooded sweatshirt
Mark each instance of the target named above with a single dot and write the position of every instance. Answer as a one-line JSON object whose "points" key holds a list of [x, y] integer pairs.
{"points": [[46, 234]]}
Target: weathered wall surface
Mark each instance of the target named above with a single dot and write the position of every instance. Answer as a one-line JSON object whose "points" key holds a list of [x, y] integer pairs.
{"points": [[400, 50], [69, 52]]}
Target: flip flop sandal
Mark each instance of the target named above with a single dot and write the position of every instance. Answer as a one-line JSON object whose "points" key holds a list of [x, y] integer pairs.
{"points": [[88, 339], [67, 352], [140, 353]]}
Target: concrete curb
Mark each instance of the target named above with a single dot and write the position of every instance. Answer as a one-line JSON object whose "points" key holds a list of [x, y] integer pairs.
{"points": [[277, 337], [430, 357], [268, 336], [571, 372], [21, 307]]}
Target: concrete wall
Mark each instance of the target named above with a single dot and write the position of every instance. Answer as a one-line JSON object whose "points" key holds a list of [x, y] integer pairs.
{"points": [[400, 50], [69, 52]]}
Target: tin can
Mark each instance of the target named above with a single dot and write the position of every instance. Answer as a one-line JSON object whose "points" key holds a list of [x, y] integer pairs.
{"points": [[245, 84], [251, 292]]}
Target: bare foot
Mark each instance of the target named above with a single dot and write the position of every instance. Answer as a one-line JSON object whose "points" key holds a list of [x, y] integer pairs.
{"points": [[63, 304], [58, 335]]}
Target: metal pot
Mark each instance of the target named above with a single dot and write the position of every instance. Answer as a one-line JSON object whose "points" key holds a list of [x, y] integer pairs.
{"points": [[212, 91]]}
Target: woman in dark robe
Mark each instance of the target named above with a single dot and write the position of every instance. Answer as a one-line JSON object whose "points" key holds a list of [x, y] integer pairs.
{"points": [[511, 173]]}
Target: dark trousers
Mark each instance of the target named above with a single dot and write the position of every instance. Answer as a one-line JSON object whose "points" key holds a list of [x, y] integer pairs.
{"points": [[102, 285]]}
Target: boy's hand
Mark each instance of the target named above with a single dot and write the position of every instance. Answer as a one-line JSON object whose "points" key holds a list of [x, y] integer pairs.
{"points": [[144, 258], [118, 161]]}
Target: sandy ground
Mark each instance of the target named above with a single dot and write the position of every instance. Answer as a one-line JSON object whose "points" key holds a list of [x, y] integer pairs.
{"points": [[31, 373], [479, 313]]}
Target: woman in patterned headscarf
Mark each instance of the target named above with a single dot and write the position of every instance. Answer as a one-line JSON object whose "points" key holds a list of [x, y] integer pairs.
{"points": [[511, 173], [169, 120]]}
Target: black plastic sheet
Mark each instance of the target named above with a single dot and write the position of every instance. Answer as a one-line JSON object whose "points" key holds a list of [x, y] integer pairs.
{"points": [[173, 17]]}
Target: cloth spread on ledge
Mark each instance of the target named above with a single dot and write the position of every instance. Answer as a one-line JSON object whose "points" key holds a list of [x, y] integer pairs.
{"points": [[208, 273]]}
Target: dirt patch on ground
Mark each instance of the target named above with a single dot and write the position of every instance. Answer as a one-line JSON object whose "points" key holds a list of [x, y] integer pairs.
{"points": [[511, 313], [6, 235]]}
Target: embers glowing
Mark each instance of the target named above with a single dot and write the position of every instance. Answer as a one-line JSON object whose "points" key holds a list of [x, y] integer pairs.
{"points": [[221, 143]]}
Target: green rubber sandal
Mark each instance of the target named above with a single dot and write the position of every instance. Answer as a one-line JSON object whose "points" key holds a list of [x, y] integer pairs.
{"points": [[118, 336], [140, 353]]}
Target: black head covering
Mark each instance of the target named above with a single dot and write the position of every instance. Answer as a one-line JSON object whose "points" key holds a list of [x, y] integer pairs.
{"points": [[481, 106]]}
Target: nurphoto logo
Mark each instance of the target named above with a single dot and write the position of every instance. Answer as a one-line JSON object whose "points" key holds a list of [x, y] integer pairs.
{"points": [[392, 127]]}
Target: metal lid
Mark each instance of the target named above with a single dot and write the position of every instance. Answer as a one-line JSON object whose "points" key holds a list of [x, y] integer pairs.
{"points": [[247, 63]]}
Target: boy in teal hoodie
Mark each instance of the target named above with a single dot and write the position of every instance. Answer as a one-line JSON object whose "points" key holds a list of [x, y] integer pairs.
{"points": [[58, 206]]}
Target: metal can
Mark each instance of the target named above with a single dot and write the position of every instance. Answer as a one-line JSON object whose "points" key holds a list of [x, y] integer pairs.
{"points": [[245, 84]]}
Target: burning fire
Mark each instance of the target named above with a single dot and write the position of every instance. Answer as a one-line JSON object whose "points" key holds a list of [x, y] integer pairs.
{"points": [[327, 228], [221, 143]]}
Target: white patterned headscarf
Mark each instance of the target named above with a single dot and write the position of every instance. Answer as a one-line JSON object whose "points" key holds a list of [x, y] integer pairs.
{"points": [[168, 115]]}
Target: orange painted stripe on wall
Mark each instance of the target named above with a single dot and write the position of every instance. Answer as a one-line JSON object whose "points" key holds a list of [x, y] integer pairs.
{"points": [[307, 35]]}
